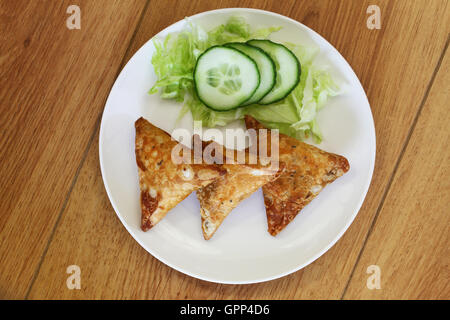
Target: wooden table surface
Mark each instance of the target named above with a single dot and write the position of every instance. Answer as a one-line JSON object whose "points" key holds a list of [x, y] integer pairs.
{"points": [[54, 209]]}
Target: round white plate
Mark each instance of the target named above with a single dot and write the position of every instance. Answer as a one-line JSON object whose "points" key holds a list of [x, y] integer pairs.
{"points": [[241, 251]]}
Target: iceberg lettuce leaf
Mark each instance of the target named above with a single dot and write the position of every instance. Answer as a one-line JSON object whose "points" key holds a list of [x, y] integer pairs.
{"points": [[174, 61]]}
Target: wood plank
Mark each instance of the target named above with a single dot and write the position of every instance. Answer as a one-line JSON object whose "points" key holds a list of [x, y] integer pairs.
{"points": [[410, 241], [127, 271], [53, 85]]}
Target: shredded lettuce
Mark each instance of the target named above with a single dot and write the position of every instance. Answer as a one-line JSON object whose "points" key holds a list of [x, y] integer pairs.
{"points": [[174, 61], [211, 118], [296, 114]]}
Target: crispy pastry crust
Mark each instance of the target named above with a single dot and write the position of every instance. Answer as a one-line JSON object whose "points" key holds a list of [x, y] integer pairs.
{"points": [[163, 183], [219, 198], [308, 171]]}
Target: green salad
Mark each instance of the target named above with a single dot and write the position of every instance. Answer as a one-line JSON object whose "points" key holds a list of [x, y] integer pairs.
{"points": [[204, 70]]}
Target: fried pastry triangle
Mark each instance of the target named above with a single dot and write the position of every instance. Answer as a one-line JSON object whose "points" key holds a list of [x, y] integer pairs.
{"points": [[164, 183], [219, 198], [308, 171]]}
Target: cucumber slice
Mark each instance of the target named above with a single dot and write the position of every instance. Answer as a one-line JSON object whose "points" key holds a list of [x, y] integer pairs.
{"points": [[225, 78], [266, 68], [288, 69]]}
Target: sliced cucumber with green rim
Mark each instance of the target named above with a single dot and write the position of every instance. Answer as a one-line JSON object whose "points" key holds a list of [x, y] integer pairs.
{"points": [[225, 78], [287, 67], [266, 68]]}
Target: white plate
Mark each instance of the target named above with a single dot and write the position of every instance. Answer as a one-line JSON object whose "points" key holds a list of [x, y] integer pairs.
{"points": [[241, 251]]}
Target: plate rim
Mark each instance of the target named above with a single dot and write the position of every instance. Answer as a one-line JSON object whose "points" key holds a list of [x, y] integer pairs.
{"points": [[180, 268]]}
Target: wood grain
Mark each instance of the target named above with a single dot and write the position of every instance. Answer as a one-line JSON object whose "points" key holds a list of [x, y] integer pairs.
{"points": [[53, 83], [395, 65], [410, 239]]}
